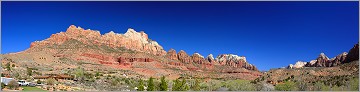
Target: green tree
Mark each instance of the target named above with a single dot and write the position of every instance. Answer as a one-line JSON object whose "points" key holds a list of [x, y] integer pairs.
{"points": [[196, 86], [180, 85], [141, 85], [7, 65], [176, 85], [163, 84], [184, 86], [151, 86]]}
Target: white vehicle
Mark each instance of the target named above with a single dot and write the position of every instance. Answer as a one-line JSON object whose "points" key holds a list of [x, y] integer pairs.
{"points": [[23, 83], [6, 80]]}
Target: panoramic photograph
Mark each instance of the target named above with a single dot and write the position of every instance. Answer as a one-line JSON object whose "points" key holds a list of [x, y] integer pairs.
{"points": [[179, 46]]}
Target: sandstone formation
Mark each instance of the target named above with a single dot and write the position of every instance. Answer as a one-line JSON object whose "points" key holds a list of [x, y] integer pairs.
{"points": [[137, 41], [183, 57], [136, 52], [171, 54], [197, 58], [234, 61], [210, 59], [299, 64]]}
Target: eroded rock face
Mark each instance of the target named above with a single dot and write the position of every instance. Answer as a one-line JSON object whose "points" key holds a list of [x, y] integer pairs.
{"points": [[197, 58], [353, 54], [338, 59], [137, 41], [127, 59], [183, 57], [210, 59], [322, 61], [171, 54]]}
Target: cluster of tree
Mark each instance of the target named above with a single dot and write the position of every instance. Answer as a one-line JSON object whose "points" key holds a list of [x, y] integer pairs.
{"points": [[180, 85], [151, 85], [163, 85]]}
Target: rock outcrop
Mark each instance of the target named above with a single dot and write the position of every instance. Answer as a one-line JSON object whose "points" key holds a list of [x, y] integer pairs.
{"points": [[234, 61], [353, 54], [339, 59], [183, 57], [137, 41], [324, 61], [197, 58], [210, 58], [299, 64], [171, 54], [229, 60]]}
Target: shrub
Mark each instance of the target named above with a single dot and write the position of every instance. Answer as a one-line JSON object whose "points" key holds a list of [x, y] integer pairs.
{"points": [[50, 81], [97, 74], [29, 71], [79, 72], [287, 86], [240, 85], [13, 84], [354, 84]]}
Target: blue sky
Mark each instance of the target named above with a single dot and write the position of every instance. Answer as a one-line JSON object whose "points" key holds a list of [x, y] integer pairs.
{"points": [[269, 34]]}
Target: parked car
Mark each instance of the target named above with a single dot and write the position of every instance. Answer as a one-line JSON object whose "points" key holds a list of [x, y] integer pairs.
{"points": [[32, 84], [23, 83]]}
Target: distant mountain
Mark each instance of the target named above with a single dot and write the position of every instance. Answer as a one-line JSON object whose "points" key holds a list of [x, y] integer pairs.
{"points": [[324, 61], [339, 70]]}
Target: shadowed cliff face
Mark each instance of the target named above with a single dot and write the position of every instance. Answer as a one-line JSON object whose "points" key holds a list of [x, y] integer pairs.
{"points": [[353, 54]]}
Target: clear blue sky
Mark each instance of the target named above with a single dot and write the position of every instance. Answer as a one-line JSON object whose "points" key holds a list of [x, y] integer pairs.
{"points": [[269, 34]]}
